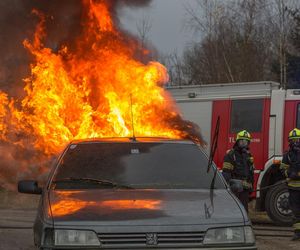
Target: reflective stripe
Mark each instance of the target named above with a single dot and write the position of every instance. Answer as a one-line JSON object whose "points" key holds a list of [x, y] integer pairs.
{"points": [[227, 165], [247, 184], [294, 137], [286, 173], [251, 159], [284, 166], [294, 183], [296, 226]]}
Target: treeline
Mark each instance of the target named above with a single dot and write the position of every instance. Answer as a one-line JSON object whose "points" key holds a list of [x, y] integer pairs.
{"points": [[241, 41]]}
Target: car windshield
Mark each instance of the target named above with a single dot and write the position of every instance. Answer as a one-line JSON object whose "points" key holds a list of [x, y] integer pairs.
{"points": [[134, 165]]}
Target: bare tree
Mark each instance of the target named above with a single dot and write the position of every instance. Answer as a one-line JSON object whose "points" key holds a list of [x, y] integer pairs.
{"points": [[241, 39], [205, 18], [143, 27], [175, 67], [281, 24]]}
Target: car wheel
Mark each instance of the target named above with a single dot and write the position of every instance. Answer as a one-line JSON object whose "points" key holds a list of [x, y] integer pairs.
{"points": [[277, 205]]}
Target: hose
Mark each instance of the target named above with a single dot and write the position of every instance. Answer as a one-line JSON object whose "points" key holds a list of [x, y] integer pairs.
{"points": [[270, 186]]}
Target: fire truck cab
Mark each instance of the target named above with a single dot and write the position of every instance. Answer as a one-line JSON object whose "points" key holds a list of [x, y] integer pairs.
{"points": [[262, 108]]}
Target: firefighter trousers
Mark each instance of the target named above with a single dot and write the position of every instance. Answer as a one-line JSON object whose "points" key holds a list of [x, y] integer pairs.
{"points": [[243, 197], [294, 202]]}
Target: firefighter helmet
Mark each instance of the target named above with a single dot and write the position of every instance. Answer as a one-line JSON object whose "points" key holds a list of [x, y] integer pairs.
{"points": [[243, 135], [294, 134]]}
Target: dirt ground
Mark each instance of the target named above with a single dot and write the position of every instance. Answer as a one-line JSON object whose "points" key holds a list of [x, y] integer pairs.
{"points": [[17, 212], [16, 200], [270, 243]]}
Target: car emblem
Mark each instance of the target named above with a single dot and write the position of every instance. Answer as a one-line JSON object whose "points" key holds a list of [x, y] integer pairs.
{"points": [[151, 239]]}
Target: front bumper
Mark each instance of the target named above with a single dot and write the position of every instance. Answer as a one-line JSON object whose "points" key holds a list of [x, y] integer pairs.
{"points": [[254, 247]]}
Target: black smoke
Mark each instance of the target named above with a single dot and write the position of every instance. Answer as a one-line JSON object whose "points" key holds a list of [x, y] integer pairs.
{"points": [[17, 23], [63, 25]]}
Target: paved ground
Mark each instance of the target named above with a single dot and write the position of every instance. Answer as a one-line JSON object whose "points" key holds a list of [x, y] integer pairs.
{"points": [[17, 214], [271, 243], [16, 239]]}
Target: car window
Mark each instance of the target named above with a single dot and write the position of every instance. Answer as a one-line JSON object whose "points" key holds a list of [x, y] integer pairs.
{"points": [[246, 114], [298, 117], [139, 165]]}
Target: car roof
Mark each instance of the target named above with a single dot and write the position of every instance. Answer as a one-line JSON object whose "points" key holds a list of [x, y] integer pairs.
{"points": [[132, 140]]}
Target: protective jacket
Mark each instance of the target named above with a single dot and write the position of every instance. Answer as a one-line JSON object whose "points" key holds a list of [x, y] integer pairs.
{"points": [[290, 166], [238, 164]]}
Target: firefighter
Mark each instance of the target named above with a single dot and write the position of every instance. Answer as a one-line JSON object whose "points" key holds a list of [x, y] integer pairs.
{"points": [[290, 166], [238, 168]]}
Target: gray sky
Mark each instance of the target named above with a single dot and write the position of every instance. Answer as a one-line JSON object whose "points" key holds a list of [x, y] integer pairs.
{"points": [[167, 17]]}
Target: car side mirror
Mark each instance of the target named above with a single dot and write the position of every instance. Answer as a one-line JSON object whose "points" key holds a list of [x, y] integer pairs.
{"points": [[29, 187]]}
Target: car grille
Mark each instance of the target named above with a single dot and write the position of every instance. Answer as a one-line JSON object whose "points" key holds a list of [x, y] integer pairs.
{"points": [[174, 239]]}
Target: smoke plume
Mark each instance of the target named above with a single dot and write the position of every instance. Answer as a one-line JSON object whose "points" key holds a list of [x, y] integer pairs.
{"points": [[63, 24]]}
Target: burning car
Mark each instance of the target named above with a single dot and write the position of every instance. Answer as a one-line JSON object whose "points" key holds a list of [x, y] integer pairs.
{"points": [[137, 193]]}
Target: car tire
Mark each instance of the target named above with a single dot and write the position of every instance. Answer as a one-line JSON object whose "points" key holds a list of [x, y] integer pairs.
{"points": [[277, 206]]}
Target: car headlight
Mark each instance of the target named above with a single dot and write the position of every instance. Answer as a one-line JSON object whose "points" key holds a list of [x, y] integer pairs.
{"points": [[75, 238], [229, 235]]}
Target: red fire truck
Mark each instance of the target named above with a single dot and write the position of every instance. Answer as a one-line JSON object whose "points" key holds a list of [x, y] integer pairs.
{"points": [[263, 109]]}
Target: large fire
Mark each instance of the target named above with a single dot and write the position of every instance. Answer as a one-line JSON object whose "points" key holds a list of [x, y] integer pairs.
{"points": [[97, 88], [92, 87]]}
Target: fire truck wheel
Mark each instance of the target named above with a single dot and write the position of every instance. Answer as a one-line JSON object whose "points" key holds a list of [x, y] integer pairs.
{"points": [[277, 205]]}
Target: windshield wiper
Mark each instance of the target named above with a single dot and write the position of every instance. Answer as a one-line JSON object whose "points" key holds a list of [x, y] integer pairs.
{"points": [[94, 181], [213, 149]]}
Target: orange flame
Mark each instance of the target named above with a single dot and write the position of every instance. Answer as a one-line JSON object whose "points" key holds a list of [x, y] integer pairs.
{"points": [[132, 204], [66, 207], [86, 91], [3, 113], [69, 205]]}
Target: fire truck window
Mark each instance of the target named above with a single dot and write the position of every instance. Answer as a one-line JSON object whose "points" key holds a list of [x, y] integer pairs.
{"points": [[298, 116], [246, 114]]}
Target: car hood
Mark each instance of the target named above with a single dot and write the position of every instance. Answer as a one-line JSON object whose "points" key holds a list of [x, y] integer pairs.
{"points": [[144, 207]]}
